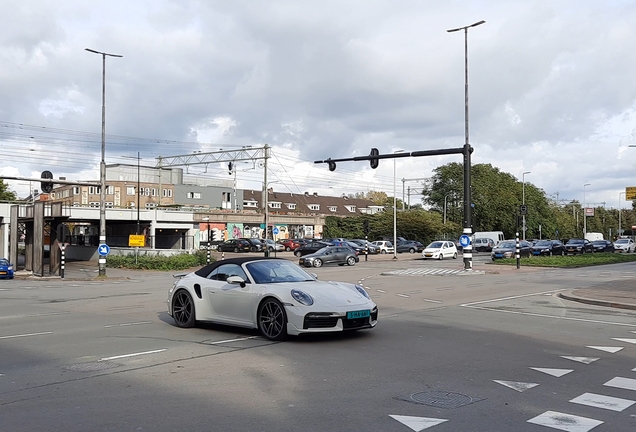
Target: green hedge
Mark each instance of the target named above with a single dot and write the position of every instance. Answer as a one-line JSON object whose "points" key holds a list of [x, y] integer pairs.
{"points": [[589, 259], [146, 262]]}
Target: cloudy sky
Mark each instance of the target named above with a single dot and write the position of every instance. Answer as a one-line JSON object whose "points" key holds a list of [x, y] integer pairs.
{"points": [[552, 88]]}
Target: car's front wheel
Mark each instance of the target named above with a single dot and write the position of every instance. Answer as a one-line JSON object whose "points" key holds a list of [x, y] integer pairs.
{"points": [[317, 262], [455, 255], [412, 250], [351, 261], [272, 320], [183, 309], [382, 251], [236, 249], [441, 256], [288, 249], [297, 253]]}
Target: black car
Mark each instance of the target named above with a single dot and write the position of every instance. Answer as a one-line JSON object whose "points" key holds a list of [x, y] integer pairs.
{"points": [[340, 255], [235, 245], [311, 247], [603, 246], [370, 247], [548, 247], [578, 246], [410, 246], [507, 249], [256, 245]]}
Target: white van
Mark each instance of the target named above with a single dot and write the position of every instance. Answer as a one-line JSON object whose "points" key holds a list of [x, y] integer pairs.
{"points": [[496, 236], [594, 236]]}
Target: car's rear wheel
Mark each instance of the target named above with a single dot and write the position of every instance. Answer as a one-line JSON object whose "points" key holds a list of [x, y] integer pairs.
{"points": [[183, 309], [235, 249], [441, 256], [288, 249], [455, 255], [317, 262], [297, 253], [351, 261], [412, 250], [272, 320], [382, 251]]}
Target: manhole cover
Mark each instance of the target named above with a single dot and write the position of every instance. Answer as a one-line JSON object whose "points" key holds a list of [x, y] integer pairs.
{"points": [[440, 399], [91, 367]]}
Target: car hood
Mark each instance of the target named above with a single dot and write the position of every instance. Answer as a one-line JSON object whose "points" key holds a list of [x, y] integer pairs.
{"points": [[504, 249], [542, 247], [333, 293], [432, 250]]}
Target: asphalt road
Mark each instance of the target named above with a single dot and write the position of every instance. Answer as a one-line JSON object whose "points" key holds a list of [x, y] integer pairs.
{"points": [[492, 352]]}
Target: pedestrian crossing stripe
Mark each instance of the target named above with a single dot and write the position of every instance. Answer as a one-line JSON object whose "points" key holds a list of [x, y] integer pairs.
{"points": [[430, 271], [604, 402], [565, 422], [417, 424], [584, 360], [518, 386], [554, 372]]}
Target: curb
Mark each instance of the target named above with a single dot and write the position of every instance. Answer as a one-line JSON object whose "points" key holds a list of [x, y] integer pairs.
{"points": [[570, 296]]}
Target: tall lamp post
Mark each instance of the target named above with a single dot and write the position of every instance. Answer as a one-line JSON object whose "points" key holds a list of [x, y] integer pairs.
{"points": [[445, 196], [468, 230], [584, 211], [523, 200], [620, 210], [395, 210], [102, 165]]}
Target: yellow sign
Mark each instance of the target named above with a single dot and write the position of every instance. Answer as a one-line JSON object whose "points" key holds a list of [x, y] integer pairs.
{"points": [[136, 240], [630, 193]]}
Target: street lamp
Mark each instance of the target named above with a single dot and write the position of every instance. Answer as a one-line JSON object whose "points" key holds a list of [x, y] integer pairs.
{"points": [[523, 200], [102, 165], [468, 255], [585, 211], [620, 210], [395, 210], [445, 196]]}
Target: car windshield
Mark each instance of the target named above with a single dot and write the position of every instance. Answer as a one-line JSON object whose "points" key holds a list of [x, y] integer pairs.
{"points": [[599, 242], [575, 241], [4, 262], [507, 245], [543, 243], [323, 250], [622, 241], [434, 245], [277, 271]]}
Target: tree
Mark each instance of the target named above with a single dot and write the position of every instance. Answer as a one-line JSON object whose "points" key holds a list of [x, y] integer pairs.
{"points": [[5, 193]]}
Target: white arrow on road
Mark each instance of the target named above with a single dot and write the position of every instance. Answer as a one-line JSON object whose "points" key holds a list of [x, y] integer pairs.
{"points": [[518, 386], [417, 424]]}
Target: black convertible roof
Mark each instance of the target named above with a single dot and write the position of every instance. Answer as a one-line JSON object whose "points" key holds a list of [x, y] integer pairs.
{"points": [[206, 270]]}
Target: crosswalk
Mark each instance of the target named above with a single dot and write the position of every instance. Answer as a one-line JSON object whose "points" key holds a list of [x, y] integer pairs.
{"points": [[431, 272]]}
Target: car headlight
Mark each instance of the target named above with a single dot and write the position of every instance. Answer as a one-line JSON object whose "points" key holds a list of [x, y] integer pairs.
{"points": [[10, 268], [302, 297], [545, 250], [363, 291]]}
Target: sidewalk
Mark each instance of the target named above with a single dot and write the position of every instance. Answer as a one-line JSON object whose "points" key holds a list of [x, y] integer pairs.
{"points": [[618, 294]]}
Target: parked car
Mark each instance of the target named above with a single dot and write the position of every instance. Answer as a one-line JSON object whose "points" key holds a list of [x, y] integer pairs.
{"points": [[483, 245], [578, 246], [335, 241], [370, 247], [290, 244], [354, 246], [508, 248], [624, 245], [235, 245], [603, 246], [255, 244], [311, 247], [213, 244], [440, 250], [410, 246], [340, 255], [548, 247], [272, 246], [384, 246], [6, 269], [272, 295]]}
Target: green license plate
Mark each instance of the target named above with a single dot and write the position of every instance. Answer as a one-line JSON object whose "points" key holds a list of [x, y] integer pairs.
{"points": [[359, 314]]}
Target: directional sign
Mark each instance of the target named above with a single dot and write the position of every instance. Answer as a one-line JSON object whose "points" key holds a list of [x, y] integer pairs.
{"points": [[464, 240], [136, 240], [103, 249], [275, 231]]}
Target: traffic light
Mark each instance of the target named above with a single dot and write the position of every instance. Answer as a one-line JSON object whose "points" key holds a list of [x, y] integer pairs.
{"points": [[332, 165], [46, 186], [229, 167], [374, 162]]}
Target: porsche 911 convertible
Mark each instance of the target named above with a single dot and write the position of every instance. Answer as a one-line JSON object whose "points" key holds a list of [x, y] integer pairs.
{"points": [[273, 295]]}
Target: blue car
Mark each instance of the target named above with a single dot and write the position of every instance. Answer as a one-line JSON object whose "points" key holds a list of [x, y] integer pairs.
{"points": [[6, 269]]}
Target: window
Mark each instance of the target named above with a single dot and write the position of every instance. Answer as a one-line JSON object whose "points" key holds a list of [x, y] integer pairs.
{"points": [[194, 195], [52, 195], [167, 193], [65, 193], [314, 206], [94, 190], [76, 204], [108, 204], [76, 190], [222, 272], [351, 208], [153, 192], [249, 204], [130, 190], [93, 204], [274, 205], [151, 205], [110, 190], [333, 208], [130, 204], [291, 206]]}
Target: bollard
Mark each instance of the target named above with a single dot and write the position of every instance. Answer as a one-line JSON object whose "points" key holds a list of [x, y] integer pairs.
{"points": [[223, 255], [62, 260], [366, 248], [518, 250], [208, 254]]}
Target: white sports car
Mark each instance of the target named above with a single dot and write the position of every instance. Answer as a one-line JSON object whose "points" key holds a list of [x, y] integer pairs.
{"points": [[274, 295]]}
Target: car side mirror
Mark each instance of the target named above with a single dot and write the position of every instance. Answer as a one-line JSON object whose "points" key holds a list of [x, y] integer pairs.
{"points": [[236, 280]]}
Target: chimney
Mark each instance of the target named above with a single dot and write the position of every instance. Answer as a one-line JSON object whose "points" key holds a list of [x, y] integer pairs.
{"points": [[306, 194], [315, 194]]}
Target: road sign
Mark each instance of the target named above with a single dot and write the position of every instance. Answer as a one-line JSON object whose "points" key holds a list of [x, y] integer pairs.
{"points": [[275, 231], [464, 240], [589, 211], [523, 209], [136, 240], [103, 249], [630, 193]]}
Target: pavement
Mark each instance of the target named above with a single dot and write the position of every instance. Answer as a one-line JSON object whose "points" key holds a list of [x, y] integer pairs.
{"points": [[616, 293]]}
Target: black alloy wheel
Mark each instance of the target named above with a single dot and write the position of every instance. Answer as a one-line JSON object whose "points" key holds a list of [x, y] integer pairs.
{"points": [[351, 261], [183, 309], [272, 321]]}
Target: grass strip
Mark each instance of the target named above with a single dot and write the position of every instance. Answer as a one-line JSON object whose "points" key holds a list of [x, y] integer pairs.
{"points": [[569, 261]]}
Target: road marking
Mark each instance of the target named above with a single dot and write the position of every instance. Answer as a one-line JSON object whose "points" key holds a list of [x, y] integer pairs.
{"points": [[510, 298], [403, 295], [34, 315], [554, 372], [518, 386], [382, 291], [565, 422], [620, 382], [417, 424], [432, 301], [24, 335], [585, 360], [128, 324], [612, 350], [604, 402], [631, 341], [125, 307], [233, 340], [132, 355]]}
